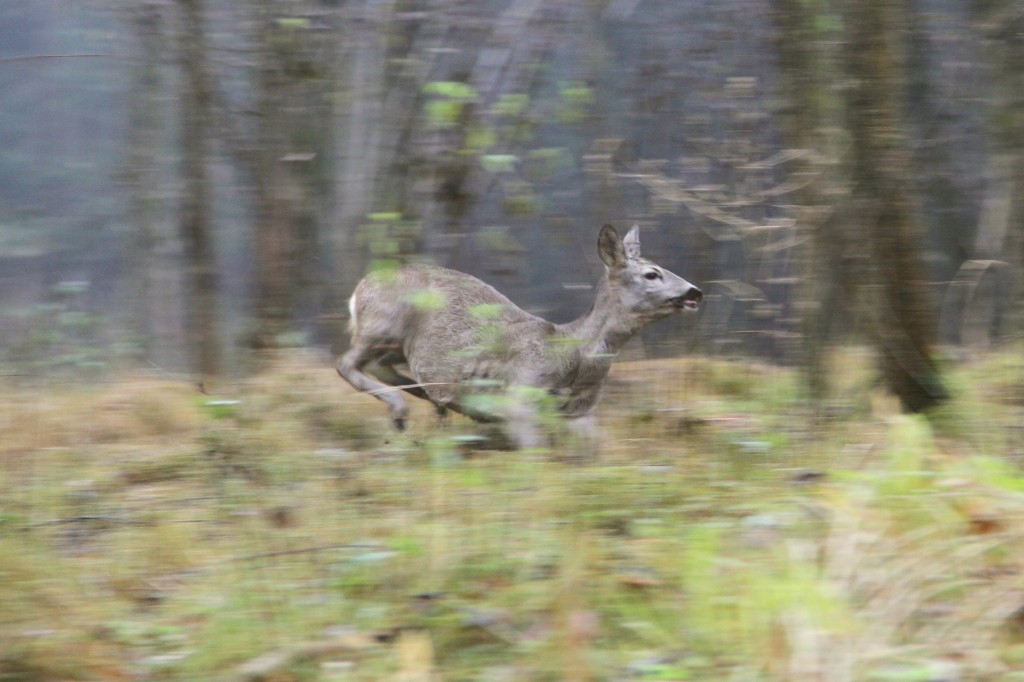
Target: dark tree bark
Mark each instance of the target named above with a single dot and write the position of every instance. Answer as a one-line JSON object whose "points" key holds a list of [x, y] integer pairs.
{"points": [[273, 200], [195, 227], [284, 155], [883, 195]]}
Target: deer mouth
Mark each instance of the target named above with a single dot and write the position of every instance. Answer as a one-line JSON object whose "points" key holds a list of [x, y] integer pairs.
{"points": [[690, 300]]}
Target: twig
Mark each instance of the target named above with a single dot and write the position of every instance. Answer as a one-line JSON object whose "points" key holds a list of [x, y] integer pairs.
{"points": [[40, 57], [269, 665], [83, 519], [389, 389], [289, 552]]}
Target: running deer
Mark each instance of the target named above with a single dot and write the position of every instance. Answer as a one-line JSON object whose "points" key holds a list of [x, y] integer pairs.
{"points": [[447, 337]]}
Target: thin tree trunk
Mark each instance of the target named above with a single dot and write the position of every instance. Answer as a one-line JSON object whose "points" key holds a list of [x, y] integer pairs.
{"points": [[904, 325], [802, 117], [195, 226], [1001, 232], [274, 219], [362, 125], [142, 170]]}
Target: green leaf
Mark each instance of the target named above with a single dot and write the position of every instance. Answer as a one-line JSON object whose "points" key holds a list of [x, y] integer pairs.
{"points": [[430, 299], [499, 163], [511, 104], [443, 112], [450, 89], [487, 311], [221, 409], [294, 23], [479, 139]]}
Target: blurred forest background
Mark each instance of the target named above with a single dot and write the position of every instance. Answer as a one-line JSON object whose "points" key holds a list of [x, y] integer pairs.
{"points": [[184, 182], [190, 190]]}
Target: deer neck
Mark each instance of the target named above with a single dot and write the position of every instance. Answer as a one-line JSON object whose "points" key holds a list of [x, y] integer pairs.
{"points": [[605, 328]]}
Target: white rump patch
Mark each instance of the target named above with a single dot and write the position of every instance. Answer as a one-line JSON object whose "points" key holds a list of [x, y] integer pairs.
{"points": [[353, 323]]}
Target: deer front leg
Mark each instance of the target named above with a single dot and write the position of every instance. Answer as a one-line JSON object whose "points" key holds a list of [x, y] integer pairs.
{"points": [[350, 368], [521, 427], [521, 422], [584, 437]]}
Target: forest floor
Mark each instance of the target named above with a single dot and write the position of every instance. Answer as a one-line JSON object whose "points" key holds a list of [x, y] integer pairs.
{"points": [[728, 530]]}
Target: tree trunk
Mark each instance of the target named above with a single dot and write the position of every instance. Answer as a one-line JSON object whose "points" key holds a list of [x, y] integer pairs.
{"points": [[195, 226], [142, 173], [360, 130], [283, 145], [1001, 232], [802, 117], [904, 325], [274, 204]]}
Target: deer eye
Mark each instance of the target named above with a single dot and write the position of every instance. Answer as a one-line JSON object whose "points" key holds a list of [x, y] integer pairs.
{"points": [[653, 274]]}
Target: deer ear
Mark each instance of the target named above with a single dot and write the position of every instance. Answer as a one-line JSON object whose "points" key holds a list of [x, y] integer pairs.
{"points": [[610, 248], [632, 242]]}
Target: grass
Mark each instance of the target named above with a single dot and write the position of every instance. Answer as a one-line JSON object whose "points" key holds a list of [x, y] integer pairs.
{"points": [[727, 531]]}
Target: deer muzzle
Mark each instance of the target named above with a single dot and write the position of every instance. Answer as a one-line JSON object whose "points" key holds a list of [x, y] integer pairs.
{"points": [[690, 300]]}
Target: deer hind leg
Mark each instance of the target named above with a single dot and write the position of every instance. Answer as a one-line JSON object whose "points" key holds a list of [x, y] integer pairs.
{"points": [[350, 367]]}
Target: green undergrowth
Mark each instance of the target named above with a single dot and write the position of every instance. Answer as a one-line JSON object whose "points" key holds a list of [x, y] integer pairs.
{"points": [[728, 529]]}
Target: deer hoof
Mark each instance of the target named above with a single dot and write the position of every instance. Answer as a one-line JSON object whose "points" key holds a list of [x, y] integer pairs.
{"points": [[399, 423]]}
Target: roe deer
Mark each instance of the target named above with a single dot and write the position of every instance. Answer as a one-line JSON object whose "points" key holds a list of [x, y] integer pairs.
{"points": [[462, 341]]}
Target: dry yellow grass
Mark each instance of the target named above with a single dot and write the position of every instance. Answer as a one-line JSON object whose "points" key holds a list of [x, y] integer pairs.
{"points": [[726, 531]]}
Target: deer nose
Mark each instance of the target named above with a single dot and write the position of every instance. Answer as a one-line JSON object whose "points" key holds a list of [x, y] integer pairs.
{"points": [[690, 300]]}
